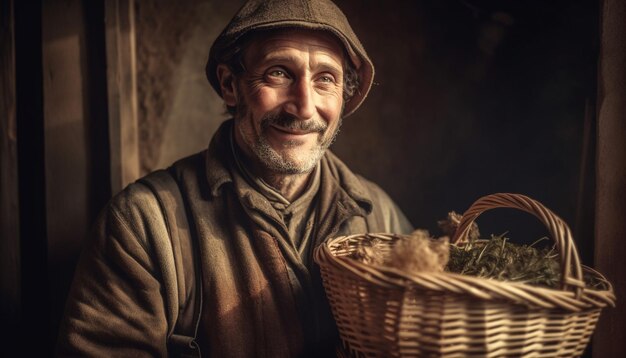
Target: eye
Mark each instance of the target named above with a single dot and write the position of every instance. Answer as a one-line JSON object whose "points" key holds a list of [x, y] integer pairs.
{"points": [[277, 76], [277, 73], [327, 78]]}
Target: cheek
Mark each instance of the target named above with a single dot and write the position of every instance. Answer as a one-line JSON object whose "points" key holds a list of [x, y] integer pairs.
{"points": [[257, 104], [266, 100], [330, 109]]}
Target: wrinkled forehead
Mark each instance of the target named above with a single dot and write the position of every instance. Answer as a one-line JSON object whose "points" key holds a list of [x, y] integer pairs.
{"points": [[268, 42]]}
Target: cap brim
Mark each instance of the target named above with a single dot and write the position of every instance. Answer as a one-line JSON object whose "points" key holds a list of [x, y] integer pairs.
{"points": [[359, 60]]}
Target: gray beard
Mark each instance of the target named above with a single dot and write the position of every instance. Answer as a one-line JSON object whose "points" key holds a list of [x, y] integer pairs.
{"points": [[278, 164]]}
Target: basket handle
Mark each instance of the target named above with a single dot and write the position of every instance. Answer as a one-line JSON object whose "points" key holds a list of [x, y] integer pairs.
{"points": [[571, 270]]}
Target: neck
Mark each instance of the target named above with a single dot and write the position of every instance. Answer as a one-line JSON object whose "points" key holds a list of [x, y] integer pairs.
{"points": [[290, 186]]}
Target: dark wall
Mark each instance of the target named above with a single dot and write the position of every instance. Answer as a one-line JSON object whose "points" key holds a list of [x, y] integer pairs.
{"points": [[470, 98]]}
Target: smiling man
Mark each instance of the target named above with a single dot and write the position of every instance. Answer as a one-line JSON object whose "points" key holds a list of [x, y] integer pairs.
{"points": [[289, 103], [251, 208]]}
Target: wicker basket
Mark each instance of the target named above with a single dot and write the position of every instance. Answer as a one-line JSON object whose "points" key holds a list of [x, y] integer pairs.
{"points": [[382, 312]]}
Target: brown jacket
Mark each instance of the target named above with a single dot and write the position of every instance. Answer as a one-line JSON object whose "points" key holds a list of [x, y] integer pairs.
{"points": [[260, 300]]}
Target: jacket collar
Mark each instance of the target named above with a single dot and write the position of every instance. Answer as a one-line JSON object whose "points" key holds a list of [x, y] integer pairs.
{"points": [[218, 159], [335, 175]]}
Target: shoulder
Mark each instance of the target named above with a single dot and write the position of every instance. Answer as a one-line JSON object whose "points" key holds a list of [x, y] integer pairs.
{"points": [[192, 164], [135, 197], [378, 195], [385, 211], [138, 206], [134, 211], [141, 206], [353, 182], [385, 214]]}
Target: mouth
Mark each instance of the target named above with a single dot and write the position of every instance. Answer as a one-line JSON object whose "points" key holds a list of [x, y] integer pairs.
{"points": [[291, 131], [291, 137]]}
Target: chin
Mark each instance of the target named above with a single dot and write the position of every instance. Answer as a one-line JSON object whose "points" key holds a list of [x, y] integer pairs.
{"points": [[291, 165]]}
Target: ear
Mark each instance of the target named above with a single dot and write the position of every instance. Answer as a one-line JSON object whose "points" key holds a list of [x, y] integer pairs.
{"points": [[227, 84]]}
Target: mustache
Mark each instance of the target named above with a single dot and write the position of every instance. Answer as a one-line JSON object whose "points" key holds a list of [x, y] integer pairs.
{"points": [[289, 121]]}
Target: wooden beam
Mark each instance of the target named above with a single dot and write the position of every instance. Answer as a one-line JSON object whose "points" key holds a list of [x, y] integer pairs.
{"points": [[9, 205], [68, 159], [29, 117], [610, 250], [122, 92]]}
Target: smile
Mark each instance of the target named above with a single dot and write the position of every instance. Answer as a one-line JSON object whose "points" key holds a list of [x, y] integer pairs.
{"points": [[291, 132]]}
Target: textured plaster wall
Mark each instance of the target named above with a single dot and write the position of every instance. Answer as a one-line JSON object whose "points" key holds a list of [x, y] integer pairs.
{"points": [[470, 98], [178, 110]]}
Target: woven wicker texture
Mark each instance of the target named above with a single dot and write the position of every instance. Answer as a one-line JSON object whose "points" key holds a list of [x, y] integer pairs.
{"points": [[383, 312]]}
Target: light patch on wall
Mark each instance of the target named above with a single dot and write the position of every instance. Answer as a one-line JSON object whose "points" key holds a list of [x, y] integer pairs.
{"points": [[62, 65], [196, 110]]}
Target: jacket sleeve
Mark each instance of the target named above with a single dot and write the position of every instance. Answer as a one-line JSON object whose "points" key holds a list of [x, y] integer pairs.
{"points": [[115, 307]]}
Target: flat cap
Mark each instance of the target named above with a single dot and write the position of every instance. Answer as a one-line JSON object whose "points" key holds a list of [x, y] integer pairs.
{"points": [[321, 15]]}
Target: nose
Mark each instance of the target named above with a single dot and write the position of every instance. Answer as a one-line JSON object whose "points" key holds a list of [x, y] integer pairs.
{"points": [[301, 102]]}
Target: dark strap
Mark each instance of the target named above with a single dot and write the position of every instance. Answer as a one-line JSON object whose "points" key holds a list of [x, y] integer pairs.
{"points": [[183, 340]]}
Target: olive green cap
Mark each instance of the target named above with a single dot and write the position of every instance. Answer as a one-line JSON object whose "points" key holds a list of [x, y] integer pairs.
{"points": [[321, 15]]}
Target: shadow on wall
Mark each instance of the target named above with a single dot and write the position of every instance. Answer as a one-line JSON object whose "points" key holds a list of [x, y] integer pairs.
{"points": [[470, 98]]}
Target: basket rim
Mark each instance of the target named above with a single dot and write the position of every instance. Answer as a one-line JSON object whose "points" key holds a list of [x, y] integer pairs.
{"points": [[560, 233], [453, 283]]}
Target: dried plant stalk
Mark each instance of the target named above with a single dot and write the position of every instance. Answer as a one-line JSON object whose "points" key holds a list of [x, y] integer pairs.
{"points": [[370, 252], [495, 258], [499, 259], [452, 221], [419, 252]]}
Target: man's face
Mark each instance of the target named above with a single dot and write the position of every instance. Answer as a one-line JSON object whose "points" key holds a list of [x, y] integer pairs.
{"points": [[289, 99]]}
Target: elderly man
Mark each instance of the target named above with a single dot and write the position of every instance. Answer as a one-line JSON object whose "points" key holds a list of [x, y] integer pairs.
{"points": [[255, 204]]}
